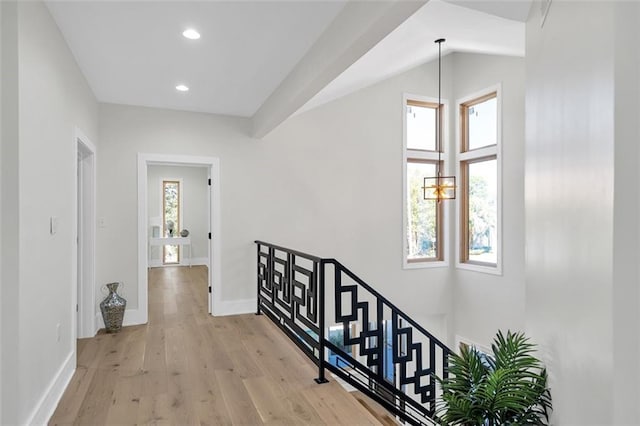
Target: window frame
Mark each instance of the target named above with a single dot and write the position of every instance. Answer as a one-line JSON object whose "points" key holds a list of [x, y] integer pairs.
{"points": [[442, 211], [178, 225], [465, 157]]}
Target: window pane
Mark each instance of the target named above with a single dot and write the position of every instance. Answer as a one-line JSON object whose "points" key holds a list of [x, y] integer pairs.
{"points": [[483, 124], [171, 208], [421, 214], [483, 211], [336, 336], [171, 199], [421, 128]]}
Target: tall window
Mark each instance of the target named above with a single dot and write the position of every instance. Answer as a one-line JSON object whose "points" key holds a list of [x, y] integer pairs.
{"points": [[171, 219], [479, 172], [423, 242]]}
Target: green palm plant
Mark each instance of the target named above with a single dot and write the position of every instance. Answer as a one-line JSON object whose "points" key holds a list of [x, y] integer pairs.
{"points": [[507, 388]]}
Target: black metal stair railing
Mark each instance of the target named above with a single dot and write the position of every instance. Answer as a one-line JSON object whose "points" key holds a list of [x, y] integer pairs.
{"points": [[361, 337], [291, 294]]}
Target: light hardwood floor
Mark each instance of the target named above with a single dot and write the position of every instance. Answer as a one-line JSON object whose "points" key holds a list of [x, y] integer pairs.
{"points": [[185, 367]]}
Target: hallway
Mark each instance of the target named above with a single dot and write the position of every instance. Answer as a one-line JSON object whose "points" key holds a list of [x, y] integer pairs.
{"points": [[186, 367]]}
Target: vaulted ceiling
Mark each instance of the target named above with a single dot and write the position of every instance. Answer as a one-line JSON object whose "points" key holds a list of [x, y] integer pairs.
{"points": [[268, 59]]}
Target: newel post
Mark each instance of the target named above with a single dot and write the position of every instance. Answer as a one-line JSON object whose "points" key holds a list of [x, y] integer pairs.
{"points": [[258, 312], [322, 329]]}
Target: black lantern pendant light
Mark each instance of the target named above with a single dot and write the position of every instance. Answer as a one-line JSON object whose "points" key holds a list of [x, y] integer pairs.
{"points": [[439, 187]]}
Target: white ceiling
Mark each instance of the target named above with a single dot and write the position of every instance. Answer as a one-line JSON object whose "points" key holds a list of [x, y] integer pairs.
{"points": [[412, 43], [517, 10], [132, 52]]}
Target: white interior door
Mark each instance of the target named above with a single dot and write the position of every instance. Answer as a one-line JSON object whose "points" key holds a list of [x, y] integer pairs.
{"points": [[85, 240], [210, 245], [79, 281]]}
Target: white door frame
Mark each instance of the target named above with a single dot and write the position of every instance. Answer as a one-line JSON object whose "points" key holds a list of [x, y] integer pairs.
{"points": [[144, 161], [84, 245]]}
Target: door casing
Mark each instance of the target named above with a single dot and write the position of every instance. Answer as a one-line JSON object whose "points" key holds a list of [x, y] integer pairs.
{"points": [[141, 315]]}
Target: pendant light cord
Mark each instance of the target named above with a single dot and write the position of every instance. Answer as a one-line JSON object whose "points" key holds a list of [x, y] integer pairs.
{"points": [[439, 122]]}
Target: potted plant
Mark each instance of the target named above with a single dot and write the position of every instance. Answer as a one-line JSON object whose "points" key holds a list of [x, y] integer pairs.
{"points": [[508, 387]]}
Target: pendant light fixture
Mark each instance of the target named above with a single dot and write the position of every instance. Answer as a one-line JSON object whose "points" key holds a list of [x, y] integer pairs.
{"points": [[439, 187]]}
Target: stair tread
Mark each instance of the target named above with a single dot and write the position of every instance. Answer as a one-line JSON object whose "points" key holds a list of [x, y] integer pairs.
{"points": [[378, 411]]}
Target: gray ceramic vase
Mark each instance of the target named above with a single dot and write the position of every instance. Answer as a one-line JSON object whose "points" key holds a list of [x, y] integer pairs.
{"points": [[112, 308]]}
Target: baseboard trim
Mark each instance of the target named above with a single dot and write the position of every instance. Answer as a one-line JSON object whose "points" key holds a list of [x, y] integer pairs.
{"points": [[234, 307], [200, 261], [131, 317], [49, 400], [223, 308]]}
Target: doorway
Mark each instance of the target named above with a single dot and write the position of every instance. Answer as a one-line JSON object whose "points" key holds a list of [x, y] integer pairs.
{"points": [[84, 268], [145, 161]]}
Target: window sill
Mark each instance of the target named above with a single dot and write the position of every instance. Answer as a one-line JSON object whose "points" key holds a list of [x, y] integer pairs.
{"points": [[485, 269], [425, 265]]}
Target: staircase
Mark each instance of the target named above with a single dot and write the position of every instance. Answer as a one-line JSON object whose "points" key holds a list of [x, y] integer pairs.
{"points": [[346, 327]]}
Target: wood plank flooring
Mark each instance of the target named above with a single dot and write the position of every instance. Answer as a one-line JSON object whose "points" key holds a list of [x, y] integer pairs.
{"points": [[186, 368]]}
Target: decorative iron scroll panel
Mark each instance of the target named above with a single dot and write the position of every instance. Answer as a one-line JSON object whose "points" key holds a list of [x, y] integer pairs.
{"points": [[391, 355], [382, 351], [288, 294]]}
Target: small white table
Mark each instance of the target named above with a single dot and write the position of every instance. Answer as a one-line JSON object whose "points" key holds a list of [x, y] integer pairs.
{"points": [[170, 241]]}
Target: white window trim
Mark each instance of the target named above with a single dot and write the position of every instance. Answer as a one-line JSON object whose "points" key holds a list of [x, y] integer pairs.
{"points": [[478, 153], [433, 156]]}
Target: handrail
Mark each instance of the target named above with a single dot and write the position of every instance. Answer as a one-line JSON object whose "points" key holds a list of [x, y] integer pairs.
{"points": [[393, 358], [288, 250]]}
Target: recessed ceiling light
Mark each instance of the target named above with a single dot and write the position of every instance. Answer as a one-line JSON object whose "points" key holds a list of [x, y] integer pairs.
{"points": [[191, 34], [182, 88]]}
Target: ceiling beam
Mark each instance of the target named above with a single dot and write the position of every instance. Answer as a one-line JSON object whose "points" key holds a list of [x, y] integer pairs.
{"points": [[356, 29]]}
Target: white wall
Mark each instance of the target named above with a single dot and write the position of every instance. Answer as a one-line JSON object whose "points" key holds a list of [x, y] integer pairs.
{"points": [[49, 97], [569, 202], [194, 213], [336, 190], [626, 231], [354, 146], [126, 131], [1, 204], [327, 182], [485, 303], [8, 201]]}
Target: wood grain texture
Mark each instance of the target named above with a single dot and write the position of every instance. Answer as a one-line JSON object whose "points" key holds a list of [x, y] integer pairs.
{"points": [[186, 367]]}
